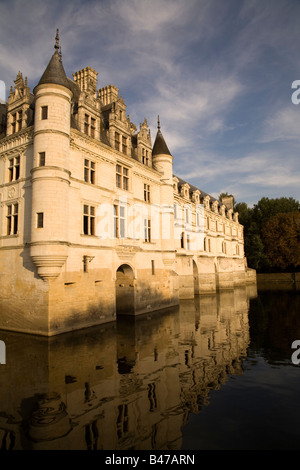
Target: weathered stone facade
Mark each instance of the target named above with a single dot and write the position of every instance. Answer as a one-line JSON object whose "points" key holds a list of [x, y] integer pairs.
{"points": [[93, 221]]}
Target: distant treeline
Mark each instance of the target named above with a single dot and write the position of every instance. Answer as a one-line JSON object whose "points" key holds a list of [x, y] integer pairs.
{"points": [[272, 234]]}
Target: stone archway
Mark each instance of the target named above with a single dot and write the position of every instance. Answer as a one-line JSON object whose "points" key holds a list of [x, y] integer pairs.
{"points": [[125, 303], [196, 278]]}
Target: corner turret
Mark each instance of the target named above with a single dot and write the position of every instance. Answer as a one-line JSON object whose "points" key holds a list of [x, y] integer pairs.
{"points": [[51, 147]]}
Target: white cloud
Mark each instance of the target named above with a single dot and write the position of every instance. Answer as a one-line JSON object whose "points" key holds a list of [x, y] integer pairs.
{"points": [[283, 125]]}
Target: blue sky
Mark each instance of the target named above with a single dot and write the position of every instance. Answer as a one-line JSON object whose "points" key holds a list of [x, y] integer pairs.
{"points": [[217, 72]]}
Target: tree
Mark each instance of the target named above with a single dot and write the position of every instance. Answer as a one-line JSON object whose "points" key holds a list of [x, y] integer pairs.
{"points": [[266, 208], [281, 238], [258, 250]]}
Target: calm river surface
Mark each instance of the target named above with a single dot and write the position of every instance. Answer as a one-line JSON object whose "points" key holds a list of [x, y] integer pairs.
{"points": [[215, 373]]}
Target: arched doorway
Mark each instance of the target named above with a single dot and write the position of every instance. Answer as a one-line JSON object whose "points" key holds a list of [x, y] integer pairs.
{"points": [[125, 290], [196, 278]]}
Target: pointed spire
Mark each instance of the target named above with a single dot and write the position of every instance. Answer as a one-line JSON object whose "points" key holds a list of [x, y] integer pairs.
{"points": [[57, 46], [55, 73], [160, 146]]}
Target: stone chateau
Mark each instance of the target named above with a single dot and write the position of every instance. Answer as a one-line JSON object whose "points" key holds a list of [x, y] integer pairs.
{"points": [[94, 224]]}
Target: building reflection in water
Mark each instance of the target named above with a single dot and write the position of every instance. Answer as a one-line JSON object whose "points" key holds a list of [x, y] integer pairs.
{"points": [[128, 385]]}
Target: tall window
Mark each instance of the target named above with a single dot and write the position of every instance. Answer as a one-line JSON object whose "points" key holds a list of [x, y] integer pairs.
{"points": [[147, 230], [86, 124], [40, 219], [117, 141], [14, 169], [16, 124], [44, 112], [119, 221], [147, 192], [182, 240], [122, 177], [89, 171], [88, 220], [19, 120], [12, 219], [89, 125], [145, 157], [93, 127], [42, 159], [124, 145]]}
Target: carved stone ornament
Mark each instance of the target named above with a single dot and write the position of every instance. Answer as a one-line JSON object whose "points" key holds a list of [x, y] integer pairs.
{"points": [[11, 193]]}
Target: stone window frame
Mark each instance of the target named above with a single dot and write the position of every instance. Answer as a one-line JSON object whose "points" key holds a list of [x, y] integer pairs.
{"points": [[120, 219], [88, 219], [17, 121], [145, 156], [147, 230], [122, 176], [44, 113], [12, 218], [147, 192], [42, 159], [89, 171], [40, 220], [14, 166], [124, 140]]}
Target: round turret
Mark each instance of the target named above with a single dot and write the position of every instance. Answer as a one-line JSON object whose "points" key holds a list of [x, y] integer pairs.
{"points": [[50, 172]]}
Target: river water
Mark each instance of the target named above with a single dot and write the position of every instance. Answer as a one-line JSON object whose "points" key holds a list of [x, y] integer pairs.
{"points": [[215, 373]]}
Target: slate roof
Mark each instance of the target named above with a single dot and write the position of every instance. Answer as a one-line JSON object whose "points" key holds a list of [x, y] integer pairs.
{"points": [[193, 188], [55, 73], [160, 146]]}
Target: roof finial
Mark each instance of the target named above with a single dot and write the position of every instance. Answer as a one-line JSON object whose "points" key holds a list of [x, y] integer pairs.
{"points": [[158, 123], [57, 41]]}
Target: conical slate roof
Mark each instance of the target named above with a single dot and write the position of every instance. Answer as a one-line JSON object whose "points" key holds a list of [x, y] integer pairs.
{"points": [[55, 73], [160, 146]]}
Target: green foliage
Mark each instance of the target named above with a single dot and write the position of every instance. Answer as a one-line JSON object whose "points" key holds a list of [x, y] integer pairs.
{"points": [[271, 233], [281, 237]]}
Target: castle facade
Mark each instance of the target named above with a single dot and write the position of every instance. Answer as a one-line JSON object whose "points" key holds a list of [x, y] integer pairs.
{"points": [[93, 221]]}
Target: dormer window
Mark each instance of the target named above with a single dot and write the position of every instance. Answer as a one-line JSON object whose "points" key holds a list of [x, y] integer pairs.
{"points": [[86, 124], [93, 127], [145, 158], [16, 124], [185, 191], [117, 141], [124, 145], [89, 125]]}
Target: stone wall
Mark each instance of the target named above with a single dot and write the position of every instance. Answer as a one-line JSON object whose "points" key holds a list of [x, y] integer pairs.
{"points": [[278, 281]]}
